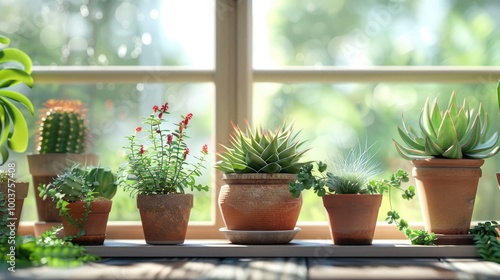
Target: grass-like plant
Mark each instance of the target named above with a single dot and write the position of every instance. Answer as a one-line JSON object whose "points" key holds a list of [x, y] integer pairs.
{"points": [[457, 132]]}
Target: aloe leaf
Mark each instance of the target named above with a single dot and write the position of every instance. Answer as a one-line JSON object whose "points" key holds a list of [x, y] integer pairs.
{"points": [[254, 161], [293, 168], [498, 95], [432, 148], [453, 105], [406, 137], [485, 154], [270, 168], [474, 137], [410, 154], [270, 150], [487, 145], [461, 123], [288, 151], [435, 115], [447, 135], [454, 151], [426, 123]]}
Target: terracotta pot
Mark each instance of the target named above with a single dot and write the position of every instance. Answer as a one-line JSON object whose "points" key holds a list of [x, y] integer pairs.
{"points": [[95, 224], [352, 217], [447, 191], [19, 191], [259, 202], [44, 168], [165, 217]]}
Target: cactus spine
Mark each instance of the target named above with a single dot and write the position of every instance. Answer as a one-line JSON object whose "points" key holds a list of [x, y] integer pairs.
{"points": [[62, 127]]}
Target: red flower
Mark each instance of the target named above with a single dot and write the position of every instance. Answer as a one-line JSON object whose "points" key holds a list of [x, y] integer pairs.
{"points": [[155, 108], [138, 129], [141, 150], [160, 115], [158, 131], [186, 152], [187, 119], [169, 139], [204, 150], [164, 107], [181, 126]]}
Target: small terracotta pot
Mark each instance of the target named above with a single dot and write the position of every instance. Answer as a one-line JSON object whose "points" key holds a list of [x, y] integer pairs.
{"points": [[165, 217], [352, 217], [259, 202], [18, 192], [95, 224], [447, 191], [44, 168]]}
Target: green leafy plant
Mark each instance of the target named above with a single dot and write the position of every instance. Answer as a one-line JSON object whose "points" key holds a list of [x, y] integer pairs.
{"points": [[31, 251], [62, 127], [157, 157], [262, 151], [80, 184], [486, 240], [458, 132], [15, 69]]}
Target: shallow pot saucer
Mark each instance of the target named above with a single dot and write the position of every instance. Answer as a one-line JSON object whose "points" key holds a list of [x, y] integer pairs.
{"points": [[260, 236]]}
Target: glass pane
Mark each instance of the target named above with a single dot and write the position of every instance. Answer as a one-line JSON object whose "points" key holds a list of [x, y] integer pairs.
{"points": [[116, 32], [114, 111], [382, 32], [335, 117]]}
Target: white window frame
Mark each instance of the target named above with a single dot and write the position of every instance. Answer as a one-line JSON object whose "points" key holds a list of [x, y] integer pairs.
{"points": [[233, 78]]}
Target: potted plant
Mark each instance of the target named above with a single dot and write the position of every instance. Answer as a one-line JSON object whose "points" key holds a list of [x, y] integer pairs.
{"points": [[61, 142], [83, 197], [257, 167], [159, 173], [15, 69], [350, 197], [447, 156], [14, 193]]}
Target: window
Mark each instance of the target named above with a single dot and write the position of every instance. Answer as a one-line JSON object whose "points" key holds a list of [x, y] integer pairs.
{"points": [[343, 70]]}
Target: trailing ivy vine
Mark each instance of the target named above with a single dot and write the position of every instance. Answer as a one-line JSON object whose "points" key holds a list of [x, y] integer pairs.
{"points": [[486, 240]]}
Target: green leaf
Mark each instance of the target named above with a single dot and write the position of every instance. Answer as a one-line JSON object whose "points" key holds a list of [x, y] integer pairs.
{"points": [[432, 148], [447, 135], [461, 122], [18, 56], [19, 138], [410, 154], [4, 40], [498, 95], [454, 151], [10, 77], [19, 98], [407, 138], [473, 137], [270, 168], [426, 122]]}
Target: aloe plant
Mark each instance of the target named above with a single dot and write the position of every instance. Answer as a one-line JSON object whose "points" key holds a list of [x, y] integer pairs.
{"points": [[262, 151], [15, 68], [458, 132]]}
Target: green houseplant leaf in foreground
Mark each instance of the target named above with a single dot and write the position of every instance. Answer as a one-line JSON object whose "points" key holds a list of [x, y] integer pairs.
{"points": [[15, 68]]}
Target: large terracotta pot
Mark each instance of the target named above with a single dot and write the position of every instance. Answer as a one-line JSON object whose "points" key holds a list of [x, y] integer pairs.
{"points": [[259, 202], [352, 217], [165, 217], [14, 200], [447, 191], [44, 168], [94, 226]]}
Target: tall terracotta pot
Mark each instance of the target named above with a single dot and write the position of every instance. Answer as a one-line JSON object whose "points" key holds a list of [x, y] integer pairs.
{"points": [[447, 191], [14, 200], [352, 218], [95, 224], [44, 168], [165, 217], [259, 202]]}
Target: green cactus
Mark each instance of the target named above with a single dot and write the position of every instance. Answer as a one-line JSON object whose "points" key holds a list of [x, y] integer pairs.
{"points": [[77, 183], [62, 127], [102, 181]]}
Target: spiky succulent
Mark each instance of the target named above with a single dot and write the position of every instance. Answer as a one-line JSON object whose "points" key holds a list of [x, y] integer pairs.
{"points": [[262, 151], [62, 127], [458, 132], [77, 182]]}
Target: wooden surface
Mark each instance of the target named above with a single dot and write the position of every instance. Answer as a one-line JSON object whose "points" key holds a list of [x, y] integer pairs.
{"points": [[269, 268]]}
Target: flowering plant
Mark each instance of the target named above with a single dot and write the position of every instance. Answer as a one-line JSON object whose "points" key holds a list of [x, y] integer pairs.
{"points": [[157, 157]]}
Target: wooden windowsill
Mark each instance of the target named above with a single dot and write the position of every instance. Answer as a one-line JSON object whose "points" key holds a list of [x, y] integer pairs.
{"points": [[296, 248]]}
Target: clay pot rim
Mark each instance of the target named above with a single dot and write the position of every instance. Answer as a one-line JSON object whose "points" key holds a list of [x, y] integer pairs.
{"points": [[352, 194], [447, 162], [267, 176]]}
